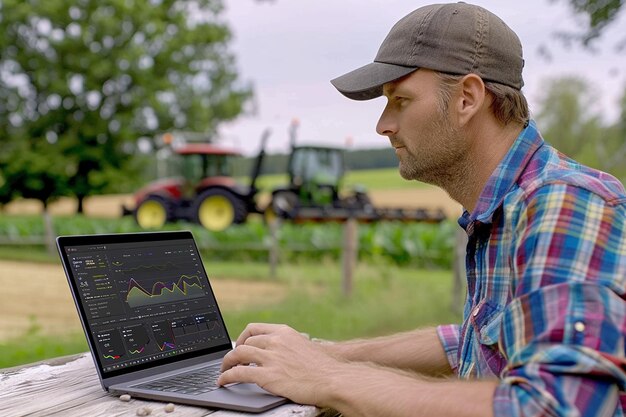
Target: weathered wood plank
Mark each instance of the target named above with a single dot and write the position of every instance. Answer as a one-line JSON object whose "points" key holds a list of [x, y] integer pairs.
{"points": [[70, 387]]}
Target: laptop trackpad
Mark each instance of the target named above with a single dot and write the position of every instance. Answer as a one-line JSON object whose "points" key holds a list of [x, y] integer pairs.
{"points": [[245, 389], [250, 395]]}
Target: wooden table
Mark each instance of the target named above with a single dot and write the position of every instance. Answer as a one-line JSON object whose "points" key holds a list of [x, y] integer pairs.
{"points": [[69, 386]]}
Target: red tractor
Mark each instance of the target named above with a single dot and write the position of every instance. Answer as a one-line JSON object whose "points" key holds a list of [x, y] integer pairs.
{"points": [[200, 188]]}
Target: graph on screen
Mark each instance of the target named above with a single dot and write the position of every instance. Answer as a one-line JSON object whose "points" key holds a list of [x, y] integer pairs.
{"points": [[111, 344], [185, 287]]}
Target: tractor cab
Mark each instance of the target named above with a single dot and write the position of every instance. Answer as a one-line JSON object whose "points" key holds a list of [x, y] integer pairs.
{"points": [[315, 174], [203, 165], [315, 179], [197, 165]]}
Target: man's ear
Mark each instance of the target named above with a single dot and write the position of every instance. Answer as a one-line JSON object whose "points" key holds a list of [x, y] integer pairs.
{"points": [[470, 99]]}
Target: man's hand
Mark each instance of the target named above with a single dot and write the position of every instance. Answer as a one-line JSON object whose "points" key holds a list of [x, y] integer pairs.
{"points": [[290, 365], [287, 363]]}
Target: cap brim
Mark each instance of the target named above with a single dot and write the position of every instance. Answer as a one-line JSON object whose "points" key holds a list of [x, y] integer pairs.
{"points": [[366, 83]]}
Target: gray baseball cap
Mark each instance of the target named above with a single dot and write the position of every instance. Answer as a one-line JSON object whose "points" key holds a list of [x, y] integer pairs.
{"points": [[454, 38]]}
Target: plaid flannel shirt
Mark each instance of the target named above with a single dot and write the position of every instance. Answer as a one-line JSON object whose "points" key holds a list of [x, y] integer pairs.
{"points": [[546, 274]]}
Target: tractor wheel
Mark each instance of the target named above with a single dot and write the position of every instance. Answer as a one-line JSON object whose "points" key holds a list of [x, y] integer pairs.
{"points": [[217, 209], [152, 213]]}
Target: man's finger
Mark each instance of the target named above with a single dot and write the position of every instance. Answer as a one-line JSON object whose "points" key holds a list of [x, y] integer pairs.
{"points": [[255, 329], [243, 355], [261, 341], [251, 374]]}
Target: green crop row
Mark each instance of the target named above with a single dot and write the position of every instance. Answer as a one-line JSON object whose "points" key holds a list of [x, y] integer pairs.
{"points": [[403, 244]]}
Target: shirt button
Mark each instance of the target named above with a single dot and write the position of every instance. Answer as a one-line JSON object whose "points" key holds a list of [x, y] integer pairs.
{"points": [[579, 326], [476, 310]]}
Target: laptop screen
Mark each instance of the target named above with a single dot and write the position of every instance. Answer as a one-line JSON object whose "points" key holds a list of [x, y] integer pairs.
{"points": [[144, 299]]}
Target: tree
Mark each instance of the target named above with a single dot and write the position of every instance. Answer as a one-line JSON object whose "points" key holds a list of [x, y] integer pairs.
{"points": [[87, 78], [600, 14], [568, 120], [566, 114], [595, 17], [611, 148], [44, 179]]}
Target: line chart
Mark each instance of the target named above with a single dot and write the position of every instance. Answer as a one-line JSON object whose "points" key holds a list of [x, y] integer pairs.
{"points": [[184, 288]]}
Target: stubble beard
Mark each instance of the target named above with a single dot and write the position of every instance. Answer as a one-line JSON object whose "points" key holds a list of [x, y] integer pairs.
{"points": [[441, 161]]}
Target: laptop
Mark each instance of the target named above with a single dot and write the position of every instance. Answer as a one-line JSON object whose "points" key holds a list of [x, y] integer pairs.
{"points": [[151, 319]]}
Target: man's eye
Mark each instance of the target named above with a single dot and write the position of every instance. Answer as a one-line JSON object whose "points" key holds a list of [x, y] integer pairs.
{"points": [[400, 99]]}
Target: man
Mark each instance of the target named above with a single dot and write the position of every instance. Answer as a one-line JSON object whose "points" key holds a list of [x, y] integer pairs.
{"points": [[544, 320]]}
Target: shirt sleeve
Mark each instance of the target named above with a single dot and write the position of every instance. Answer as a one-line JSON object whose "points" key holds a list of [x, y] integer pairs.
{"points": [[563, 333], [449, 338]]}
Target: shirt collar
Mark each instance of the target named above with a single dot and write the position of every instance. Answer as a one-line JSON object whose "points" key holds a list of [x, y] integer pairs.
{"points": [[505, 176]]}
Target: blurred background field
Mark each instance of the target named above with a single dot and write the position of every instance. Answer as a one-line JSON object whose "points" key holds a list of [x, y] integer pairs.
{"points": [[305, 295], [403, 279]]}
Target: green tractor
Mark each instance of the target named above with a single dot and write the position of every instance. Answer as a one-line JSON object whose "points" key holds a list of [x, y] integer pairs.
{"points": [[316, 176], [315, 191]]}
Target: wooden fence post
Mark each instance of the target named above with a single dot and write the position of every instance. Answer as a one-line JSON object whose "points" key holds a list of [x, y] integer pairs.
{"points": [[274, 247], [350, 254], [50, 235]]}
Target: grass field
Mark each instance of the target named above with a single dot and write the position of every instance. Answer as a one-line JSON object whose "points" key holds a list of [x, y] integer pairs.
{"points": [[382, 179], [386, 299], [372, 179]]}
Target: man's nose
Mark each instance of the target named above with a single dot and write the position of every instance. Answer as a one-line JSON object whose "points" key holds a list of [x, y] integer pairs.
{"points": [[386, 125]]}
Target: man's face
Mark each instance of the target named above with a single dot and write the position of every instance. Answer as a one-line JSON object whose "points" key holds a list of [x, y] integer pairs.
{"points": [[428, 144]]}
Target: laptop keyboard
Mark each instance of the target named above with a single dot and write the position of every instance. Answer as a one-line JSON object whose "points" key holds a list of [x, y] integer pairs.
{"points": [[195, 382]]}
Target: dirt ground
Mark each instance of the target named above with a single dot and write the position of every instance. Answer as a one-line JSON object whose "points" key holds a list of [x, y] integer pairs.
{"points": [[108, 206], [430, 198], [38, 293]]}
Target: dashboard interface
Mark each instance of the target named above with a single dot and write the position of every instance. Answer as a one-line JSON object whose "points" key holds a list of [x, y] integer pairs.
{"points": [[145, 301]]}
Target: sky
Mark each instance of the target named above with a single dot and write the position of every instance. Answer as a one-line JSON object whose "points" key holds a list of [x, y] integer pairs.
{"points": [[289, 50]]}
